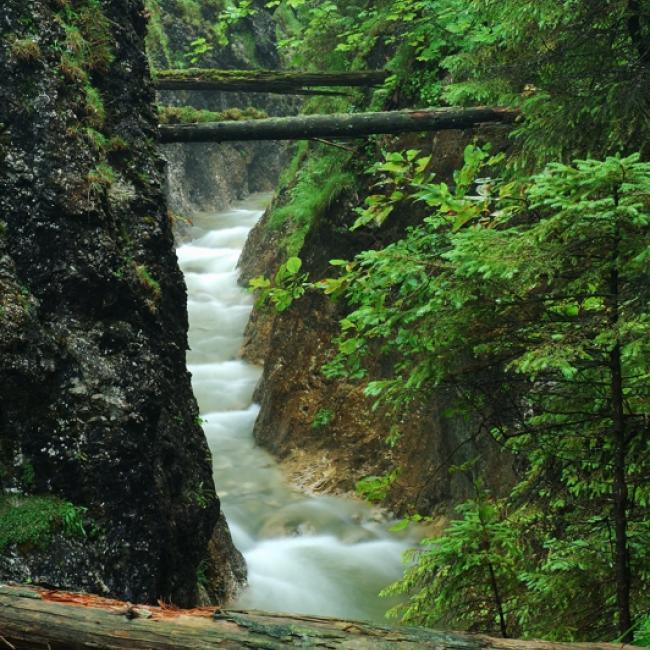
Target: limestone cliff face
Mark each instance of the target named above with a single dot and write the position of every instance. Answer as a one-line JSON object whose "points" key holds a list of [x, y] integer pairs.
{"points": [[96, 407], [332, 453]]}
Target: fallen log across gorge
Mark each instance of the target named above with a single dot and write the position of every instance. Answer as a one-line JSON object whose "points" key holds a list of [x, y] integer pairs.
{"points": [[263, 81], [346, 125], [35, 619]]}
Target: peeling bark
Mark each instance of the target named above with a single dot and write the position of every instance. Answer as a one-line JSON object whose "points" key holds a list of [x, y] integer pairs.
{"points": [[33, 619]]}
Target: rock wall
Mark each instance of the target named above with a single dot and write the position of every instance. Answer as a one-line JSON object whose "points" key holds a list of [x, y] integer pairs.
{"points": [[293, 346], [98, 424], [204, 177], [209, 177]]}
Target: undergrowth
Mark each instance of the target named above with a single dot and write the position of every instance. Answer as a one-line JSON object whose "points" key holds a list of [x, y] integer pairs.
{"points": [[32, 521], [313, 182]]}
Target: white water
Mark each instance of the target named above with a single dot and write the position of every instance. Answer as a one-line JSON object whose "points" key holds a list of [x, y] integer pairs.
{"points": [[314, 555]]}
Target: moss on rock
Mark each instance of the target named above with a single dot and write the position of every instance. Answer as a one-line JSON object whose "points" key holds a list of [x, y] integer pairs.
{"points": [[32, 521]]}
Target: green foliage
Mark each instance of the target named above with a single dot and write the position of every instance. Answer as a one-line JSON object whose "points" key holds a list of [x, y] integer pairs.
{"points": [[642, 634], [467, 578], [25, 50], [148, 281], [320, 178], [201, 29], [288, 285], [376, 488], [199, 47], [32, 521], [322, 418], [532, 295], [94, 106], [201, 495], [157, 42], [101, 177], [88, 45], [233, 13], [399, 171], [579, 70], [190, 11], [27, 474]]}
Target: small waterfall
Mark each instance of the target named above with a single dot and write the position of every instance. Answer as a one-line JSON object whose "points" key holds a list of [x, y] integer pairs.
{"points": [[316, 555]]}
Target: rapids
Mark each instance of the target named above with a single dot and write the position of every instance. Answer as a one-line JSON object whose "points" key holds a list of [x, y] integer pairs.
{"points": [[321, 555]]}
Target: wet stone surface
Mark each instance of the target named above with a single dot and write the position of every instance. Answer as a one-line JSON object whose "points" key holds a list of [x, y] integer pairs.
{"points": [[95, 400]]}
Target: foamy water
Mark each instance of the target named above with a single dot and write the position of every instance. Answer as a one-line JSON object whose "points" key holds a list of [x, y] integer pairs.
{"points": [[314, 555]]}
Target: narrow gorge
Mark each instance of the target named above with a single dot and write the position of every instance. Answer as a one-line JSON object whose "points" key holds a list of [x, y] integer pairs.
{"points": [[262, 393], [308, 554]]}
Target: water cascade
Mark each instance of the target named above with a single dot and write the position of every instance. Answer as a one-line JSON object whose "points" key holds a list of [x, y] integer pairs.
{"points": [[306, 554]]}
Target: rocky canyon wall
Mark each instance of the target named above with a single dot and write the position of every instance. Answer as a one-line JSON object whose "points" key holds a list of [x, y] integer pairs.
{"points": [[203, 177], [325, 430], [105, 473]]}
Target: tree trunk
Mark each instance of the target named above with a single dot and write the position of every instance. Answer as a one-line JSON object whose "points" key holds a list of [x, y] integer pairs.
{"points": [[259, 81], [622, 552], [353, 125], [620, 496], [33, 619], [635, 29]]}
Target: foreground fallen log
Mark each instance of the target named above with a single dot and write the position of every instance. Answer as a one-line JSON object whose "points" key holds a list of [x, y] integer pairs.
{"points": [[32, 619], [262, 80], [346, 125]]}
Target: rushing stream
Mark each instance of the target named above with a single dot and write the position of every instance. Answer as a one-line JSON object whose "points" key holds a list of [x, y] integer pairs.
{"points": [[305, 554]]}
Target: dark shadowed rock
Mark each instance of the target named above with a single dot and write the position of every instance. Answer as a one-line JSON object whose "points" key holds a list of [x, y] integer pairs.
{"points": [[95, 400]]}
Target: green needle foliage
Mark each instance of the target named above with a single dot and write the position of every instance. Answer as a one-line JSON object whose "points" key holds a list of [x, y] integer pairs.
{"points": [[469, 578], [523, 296], [529, 301], [578, 69]]}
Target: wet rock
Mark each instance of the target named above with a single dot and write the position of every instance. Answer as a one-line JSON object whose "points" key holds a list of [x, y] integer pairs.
{"points": [[95, 400], [209, 177], [295, 344], [225, 573]]}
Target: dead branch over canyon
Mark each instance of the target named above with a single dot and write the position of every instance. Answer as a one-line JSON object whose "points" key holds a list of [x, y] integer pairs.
{"points": [[352, 125]]}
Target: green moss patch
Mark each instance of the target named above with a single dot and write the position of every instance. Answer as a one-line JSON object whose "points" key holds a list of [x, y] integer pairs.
{"points": [[189, 115], [32, 521], [26, 50]]}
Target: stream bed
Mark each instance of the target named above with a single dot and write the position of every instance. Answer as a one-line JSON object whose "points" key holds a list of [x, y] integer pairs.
{"points": [[320, 555]]}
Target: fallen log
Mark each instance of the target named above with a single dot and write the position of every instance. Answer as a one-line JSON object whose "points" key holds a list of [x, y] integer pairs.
{"points": [[346, 125], [262, 80], [32, 619]]}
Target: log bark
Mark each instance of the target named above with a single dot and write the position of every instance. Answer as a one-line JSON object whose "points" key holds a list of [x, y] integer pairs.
{"points": [[345, 125], [32, 619], [262, 80]]}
